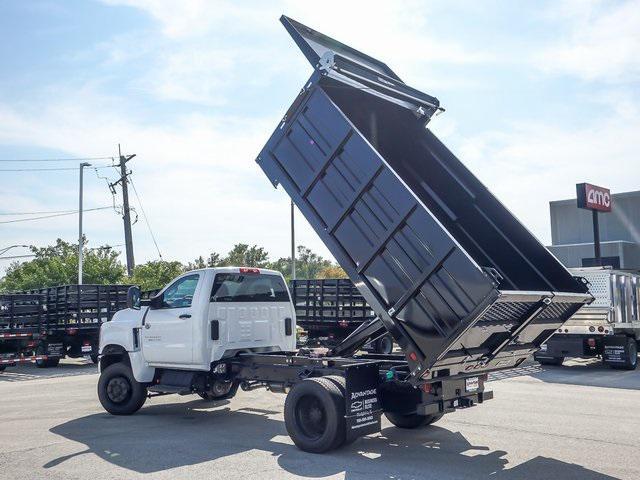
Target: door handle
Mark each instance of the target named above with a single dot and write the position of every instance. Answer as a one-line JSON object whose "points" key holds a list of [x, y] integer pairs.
{"points": [[185, 315]]}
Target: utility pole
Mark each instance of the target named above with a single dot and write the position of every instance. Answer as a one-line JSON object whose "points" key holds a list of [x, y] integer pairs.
{"points": [[80, 236], [126, 216], [293, 243]]}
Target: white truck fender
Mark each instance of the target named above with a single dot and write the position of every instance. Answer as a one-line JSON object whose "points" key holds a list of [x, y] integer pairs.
{"points": [[142, 372], [118, 334]]}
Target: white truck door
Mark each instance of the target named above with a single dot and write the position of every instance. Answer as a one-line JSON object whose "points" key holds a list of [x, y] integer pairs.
{"points": [[167, 336]]}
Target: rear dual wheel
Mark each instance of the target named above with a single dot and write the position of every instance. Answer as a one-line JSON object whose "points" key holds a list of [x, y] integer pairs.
{"points": [[314, 414], [412, 420], [384, 345], [631, 356]]}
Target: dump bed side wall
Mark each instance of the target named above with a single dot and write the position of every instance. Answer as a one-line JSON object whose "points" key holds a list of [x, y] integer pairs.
{"points": [[403, 261]]}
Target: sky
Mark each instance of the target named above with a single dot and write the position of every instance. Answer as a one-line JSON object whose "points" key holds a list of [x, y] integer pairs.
{"points": [[539, 96]]}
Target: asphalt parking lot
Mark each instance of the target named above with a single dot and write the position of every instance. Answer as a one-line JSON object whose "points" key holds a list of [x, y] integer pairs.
{"points": [[580, 421]]}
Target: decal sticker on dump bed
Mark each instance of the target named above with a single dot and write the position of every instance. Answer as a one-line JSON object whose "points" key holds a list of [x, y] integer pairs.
{"points": [[362, 407]]}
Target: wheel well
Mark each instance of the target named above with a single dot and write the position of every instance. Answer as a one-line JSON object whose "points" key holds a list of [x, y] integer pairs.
{"points": [[113, 354]]}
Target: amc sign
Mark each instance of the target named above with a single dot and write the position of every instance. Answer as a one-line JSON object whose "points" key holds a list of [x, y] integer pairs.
{"points": [[591, 197]]}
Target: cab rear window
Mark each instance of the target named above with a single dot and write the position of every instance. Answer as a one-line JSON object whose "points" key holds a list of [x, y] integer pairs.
{"points": [[240, 287]]}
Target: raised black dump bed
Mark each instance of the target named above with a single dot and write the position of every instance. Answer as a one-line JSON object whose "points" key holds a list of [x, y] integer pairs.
{"points": [[458, 281]]}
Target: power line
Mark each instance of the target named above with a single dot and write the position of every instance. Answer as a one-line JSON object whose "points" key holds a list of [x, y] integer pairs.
{"points": [[54, 169], [53, 159], [38, 213], [144, 215], [57, 215], [13, 257]]}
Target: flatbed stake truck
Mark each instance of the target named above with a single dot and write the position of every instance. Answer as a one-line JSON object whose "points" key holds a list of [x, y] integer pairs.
{"points": [[22, 319], [461, 286]]}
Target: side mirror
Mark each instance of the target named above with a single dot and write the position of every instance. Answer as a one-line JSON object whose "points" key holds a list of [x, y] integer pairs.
{"points": [[133, 298], [156, 302]]}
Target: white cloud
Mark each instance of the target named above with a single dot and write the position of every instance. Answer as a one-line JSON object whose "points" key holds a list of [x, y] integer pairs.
{"points": [[214, 40], [196, 171], [200, 185], [530, 164], [602, 42]]}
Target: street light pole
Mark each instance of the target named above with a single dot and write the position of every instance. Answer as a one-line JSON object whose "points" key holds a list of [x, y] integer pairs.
{"points": [[80, 241], [6, 249]]}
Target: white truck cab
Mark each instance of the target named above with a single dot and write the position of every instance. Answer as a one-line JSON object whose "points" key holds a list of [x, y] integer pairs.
{"points": [[198, 319]]}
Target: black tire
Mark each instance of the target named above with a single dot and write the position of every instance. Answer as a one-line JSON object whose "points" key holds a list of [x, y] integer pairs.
{"points": [[119, 392], [219, 391], [48, 363], [412, 420], [314, 414], [384, 345], [631, 350], [557, 361]]}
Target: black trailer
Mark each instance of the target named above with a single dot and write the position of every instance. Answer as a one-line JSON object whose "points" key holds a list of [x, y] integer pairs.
{"points": [[73, 316], [330, 310], [460, 284], [22, 322]]}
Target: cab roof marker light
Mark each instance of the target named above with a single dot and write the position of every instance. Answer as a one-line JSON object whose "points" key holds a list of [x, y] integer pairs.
{"points": [[249, 270]]}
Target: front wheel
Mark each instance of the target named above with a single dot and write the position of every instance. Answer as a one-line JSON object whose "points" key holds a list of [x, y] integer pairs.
{"points": [[119, 392], [412, 420]]}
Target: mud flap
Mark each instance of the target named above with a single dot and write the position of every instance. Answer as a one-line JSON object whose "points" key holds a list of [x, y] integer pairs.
{"points": [[615, 350], [55, 350], [362, 409]]}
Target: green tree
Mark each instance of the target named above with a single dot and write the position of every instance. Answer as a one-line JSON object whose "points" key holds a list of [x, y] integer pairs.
{"points": [[242, 255], [332, 271], [58, 265], [156, 274], [308, 264], [213, 260]]}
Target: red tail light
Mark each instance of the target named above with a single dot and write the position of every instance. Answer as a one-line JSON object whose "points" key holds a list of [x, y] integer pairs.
{"points": [[72, 331], [426, 387], [343, 323], [591, 342]]}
